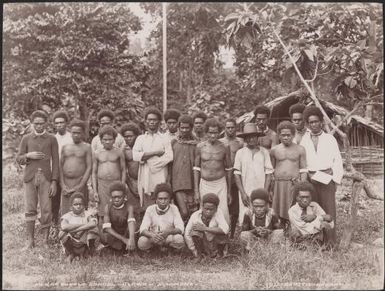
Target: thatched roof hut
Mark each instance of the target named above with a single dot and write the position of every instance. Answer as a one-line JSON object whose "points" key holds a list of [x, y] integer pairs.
{"points": [[365, 137]]}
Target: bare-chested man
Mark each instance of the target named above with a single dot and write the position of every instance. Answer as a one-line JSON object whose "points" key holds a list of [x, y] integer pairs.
{"points": [[108, 166], [199, 119], [235, 143], [212, 167], [75, 166], [130, 132], [269, 137], [289, 161], [296, 115]]}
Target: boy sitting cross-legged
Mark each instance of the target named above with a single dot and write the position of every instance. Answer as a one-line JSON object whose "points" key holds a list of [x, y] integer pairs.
{"points": [[206, 232], [119, 221], [78, 229], [261, 222]]}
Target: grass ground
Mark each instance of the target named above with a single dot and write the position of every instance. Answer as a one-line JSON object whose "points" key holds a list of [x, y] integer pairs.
{"points": [[266, 267]]}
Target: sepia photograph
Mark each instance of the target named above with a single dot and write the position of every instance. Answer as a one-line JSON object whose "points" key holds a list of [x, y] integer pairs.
{"points": [[192, 146]]}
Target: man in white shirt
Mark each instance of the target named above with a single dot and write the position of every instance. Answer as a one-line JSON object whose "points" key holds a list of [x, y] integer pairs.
{"points": [[324, 164], [63, 137], [162, 224], [153, 152]]}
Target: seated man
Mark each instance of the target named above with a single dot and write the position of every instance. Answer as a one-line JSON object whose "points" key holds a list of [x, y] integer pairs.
{"points": [[261, 222], [307, 218], [162, 224], [119, 221], [78, 229], [206, 232]]}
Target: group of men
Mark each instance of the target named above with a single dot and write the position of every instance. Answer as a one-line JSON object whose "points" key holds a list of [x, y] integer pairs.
{"points": [[182, 186]]}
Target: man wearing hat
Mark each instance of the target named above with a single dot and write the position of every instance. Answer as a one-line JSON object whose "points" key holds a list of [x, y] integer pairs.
{"points": [[252, 167], [206, 231]]}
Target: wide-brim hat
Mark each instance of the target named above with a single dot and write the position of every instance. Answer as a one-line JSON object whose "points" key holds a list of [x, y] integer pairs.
{"points": [[250, 129]]}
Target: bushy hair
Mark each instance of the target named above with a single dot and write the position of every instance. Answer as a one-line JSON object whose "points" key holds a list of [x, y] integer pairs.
{"points": [[186, 119], [106, 112], [108, 129], [311, 111], [259, 193], [286, 125], [78, 123], [302, 186], [171, 114], [130, 127], [210, 198], [163, 187], [60, 114], [117, 186], [212, 122], [152, 110], [77, 195], [39, 113], [296, 108], [262, 109], [231, 120], [200, 114]]}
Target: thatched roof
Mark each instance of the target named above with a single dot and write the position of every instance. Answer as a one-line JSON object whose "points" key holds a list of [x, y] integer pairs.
{"points": [[280, 101]]}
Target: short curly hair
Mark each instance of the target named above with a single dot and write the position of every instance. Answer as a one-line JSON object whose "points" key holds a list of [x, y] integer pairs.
{"points": [[286, 125], [152, 110], [77, 194], [130, 127], [117, 186], [212, 122], [311, 111], [39, 113], [262, 109], [60, 114], [200, 114], [186, 119], [302, 186], [106, 112], [232, 120], [163, 187], [108, 130], [259, 193], [171, 114], [78, 123], [296, 108]]}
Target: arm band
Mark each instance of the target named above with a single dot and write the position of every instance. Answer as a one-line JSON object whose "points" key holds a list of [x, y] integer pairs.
{"points": [[131, 220], [303, 170], [229, 169], [197, 169], [106, 225]]}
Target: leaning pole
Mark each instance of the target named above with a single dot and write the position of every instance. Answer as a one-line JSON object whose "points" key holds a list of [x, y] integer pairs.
{"points": [[164, 40]]}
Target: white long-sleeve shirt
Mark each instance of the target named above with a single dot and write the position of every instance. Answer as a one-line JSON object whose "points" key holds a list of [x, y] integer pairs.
{"points": [[327, 155], [154, 170], [305, 228]]}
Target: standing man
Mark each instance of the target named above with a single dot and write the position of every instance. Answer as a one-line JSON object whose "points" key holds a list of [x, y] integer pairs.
{"points": [[39, 152], [324, 164], [269, 137], [153, 152], [75, 166], [182, 175], [171, 117], [235, 143], [252, 168], [199, 119], [106, 117], [63, 137], [289, 162], [212, 170], [296, 115]]}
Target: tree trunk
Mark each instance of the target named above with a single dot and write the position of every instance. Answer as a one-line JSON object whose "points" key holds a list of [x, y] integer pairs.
{"points": [[369, 111], [349, 229], [83, 112]]}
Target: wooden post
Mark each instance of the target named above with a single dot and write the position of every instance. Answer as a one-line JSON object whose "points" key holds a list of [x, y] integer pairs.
{"points": [[164, 40], [349, 228]]}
